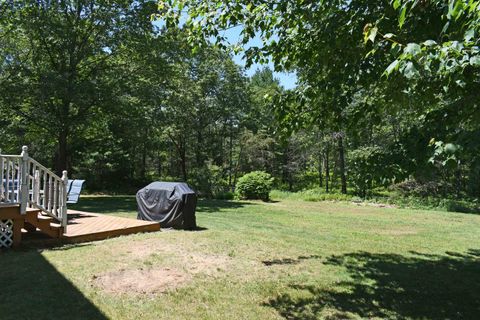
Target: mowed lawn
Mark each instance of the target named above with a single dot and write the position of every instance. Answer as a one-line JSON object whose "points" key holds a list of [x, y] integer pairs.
{"points": [[255, 260]]}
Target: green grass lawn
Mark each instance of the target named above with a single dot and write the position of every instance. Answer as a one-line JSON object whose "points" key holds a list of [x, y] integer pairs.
{"points": [[253, 260]]}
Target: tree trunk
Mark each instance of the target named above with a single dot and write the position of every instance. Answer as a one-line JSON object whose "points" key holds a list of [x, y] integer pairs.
{"points": [[341, 163], [199, 149], [159, 164], [62, 156], [237, 166], [334, 178], [458, 181], [230, 164], [327, 169], [181, 148], [143, 170], [320, 169], [183, 164]]}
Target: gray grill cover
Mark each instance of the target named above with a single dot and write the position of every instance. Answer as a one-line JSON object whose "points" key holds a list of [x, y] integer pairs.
{"points": [[172, 204]]}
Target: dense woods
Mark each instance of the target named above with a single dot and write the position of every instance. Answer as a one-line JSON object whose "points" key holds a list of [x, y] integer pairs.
{"points": [[386, 94]]}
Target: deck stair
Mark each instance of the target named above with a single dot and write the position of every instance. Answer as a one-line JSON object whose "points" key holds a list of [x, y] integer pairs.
{"points": [[35, 192], [34, 219]]}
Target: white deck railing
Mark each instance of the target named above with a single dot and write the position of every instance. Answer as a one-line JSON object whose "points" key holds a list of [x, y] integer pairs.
{"points": [[26, 182]]}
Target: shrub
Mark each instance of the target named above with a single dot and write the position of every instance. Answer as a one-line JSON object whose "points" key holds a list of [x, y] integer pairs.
{"points": [[312, 195], [255, 185], [416, 188], [208, 180], [370, 167], [227, 195], [364, 165], [281, 194]]}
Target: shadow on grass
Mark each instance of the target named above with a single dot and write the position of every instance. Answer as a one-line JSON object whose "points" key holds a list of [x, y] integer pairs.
{"points": [[390, 286], [196, 229], [106, 204], [128, 204], [286, 261], [210, 206], [32, 288]]}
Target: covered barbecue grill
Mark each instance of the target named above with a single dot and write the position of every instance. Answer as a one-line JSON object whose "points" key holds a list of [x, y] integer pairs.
{"points": [[172, 204]]}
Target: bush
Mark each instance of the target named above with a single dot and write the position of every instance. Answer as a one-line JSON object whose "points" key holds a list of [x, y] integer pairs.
{"points": [[364, 166], [255, 185], [224, 196], [315, 195], [312, 195], [208, 180], [371, 167], [423, 189], [381, 196]]}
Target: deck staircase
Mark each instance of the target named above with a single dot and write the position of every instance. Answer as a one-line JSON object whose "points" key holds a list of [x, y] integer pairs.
{"points": [[35, 219], [35, 192]]}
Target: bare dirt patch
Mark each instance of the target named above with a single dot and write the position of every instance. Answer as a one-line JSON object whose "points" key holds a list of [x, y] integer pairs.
{"points": [[193, 262], [206, 264], [141, 281], [157, 278]]}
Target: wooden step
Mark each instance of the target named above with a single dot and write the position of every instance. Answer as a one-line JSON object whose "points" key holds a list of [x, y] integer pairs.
{"points": [[45, 219], [46, 224]]}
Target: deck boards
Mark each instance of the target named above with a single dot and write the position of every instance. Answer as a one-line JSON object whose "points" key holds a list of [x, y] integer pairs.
{"points": [[82, 226], [86, 226]]}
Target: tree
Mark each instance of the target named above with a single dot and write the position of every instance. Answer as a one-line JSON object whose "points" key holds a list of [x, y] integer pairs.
{"points": [[299, 36], [441, 70], [56, 60]]}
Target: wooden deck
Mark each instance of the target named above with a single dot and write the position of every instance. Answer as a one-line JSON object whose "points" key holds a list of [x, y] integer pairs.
{"points": [[81, 227], [86, 226]]}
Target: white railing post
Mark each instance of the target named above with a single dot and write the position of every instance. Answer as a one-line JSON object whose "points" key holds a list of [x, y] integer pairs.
{"points": [[64, 200], [24, 192], [36, 187], [2, 178]]}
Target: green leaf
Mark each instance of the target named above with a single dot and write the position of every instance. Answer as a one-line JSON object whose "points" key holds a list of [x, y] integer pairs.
{"points": [[469, 34], [403, 16], [396, 4], [371, 53], [392, 67], [373, 34], [366, 32], [413, 49], [456, 9], [410, 71], [429, 43], [475, 61], [450, 148], [445, 27]]}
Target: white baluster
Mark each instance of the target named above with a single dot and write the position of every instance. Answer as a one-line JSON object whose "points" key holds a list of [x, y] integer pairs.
{"points": [[36, 191], [2, 175], [19, 180], [44, 193], [55, 197], [64, 201], [12, 178], [50, 193], [24, 190], [16, 179], [7, 182]]}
